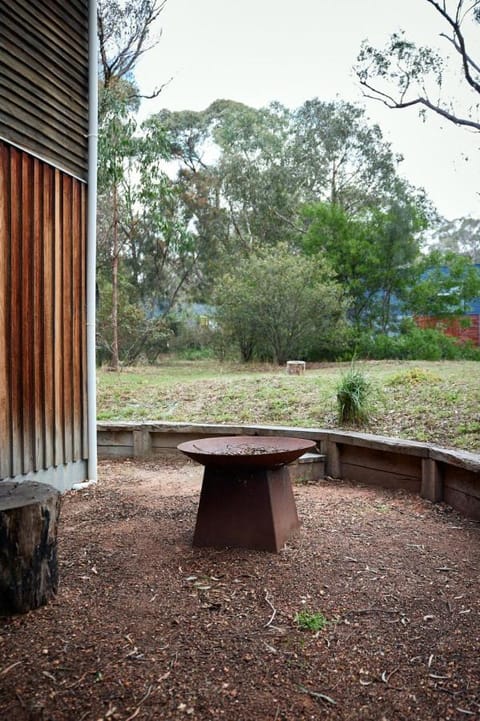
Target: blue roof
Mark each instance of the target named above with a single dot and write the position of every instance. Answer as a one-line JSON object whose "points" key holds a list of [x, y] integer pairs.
{"points": [[474, 307]]}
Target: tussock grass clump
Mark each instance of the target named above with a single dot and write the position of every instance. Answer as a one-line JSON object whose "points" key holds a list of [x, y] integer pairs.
{"points": [[353, 398]]}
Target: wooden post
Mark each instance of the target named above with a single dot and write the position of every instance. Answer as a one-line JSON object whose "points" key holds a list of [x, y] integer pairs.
{"points": [[142, 443], [334, 463], [432, 482], [28, 545]]}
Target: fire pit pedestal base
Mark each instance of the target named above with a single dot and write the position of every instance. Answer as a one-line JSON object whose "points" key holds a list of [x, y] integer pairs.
{"points": [[246, 508]]}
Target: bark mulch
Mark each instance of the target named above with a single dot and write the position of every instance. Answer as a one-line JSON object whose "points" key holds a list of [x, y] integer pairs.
{"points": [[146, 627]]}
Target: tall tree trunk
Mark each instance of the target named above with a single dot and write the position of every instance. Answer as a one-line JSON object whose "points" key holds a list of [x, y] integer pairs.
{"points": [[115, 361]]}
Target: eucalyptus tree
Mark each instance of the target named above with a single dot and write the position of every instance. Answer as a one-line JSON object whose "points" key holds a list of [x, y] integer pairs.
{"points": [[234, 159], [163, 253], [116, 148], [258, 181], [406, 75], [125, 32], [155, 257], [461, 235], [340, 157]]}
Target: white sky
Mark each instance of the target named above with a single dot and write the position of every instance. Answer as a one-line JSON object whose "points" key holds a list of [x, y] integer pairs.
{"points": [[257, 51]]}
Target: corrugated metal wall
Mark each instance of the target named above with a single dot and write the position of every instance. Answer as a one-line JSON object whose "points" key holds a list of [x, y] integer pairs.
{"points": [[42, 315], [44, 79]]}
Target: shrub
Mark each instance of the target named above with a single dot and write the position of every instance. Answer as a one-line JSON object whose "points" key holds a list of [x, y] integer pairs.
{"points": [[277, 304], [415, 344], [353, 397]]}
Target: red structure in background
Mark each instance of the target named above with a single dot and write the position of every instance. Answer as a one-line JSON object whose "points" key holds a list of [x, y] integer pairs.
{"points": [[456, 327]]}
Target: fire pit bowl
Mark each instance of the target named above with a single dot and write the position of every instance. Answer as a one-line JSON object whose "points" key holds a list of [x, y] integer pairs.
{"points": [[246, 499], [246, 451]]}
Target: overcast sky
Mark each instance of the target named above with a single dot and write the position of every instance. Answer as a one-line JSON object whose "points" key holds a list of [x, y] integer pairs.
{"points": [[257, 51]]}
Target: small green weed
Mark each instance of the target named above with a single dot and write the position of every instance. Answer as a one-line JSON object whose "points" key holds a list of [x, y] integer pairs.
{"points": [[353, 397], [310, 620], [465, 428]]}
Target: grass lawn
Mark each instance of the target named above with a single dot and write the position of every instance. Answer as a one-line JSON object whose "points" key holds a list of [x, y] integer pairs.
{"points": [[437, 402]]}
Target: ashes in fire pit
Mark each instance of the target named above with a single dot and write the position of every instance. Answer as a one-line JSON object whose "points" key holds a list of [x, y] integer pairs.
{"points": [[246, 450], [251, 451]]}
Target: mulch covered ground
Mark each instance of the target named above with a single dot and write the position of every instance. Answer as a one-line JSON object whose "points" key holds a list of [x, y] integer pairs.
{"points": [[146, 627]]}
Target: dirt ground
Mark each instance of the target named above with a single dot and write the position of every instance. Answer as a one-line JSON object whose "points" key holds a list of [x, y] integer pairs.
{"points": [[145, 626]]}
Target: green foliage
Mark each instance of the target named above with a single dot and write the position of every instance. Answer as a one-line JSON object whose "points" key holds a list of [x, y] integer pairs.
{"points": [[446, 284], [145, 250], [353, 397], [415, 344], [193, 336], [340, 157], [373, 253], [311, 620], [276, 304], [141, 336], [401, 59], [244, 173], [124, 34], [117, 127]]}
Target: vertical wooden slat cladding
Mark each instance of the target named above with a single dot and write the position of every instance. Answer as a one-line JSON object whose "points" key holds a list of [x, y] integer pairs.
{"points": [[28, 313], [38, 336], [83, 304], [58, 321], [66, 263], [5, 434], [48, 217], [77, 349], [44, 79], [42, 315], [14, 342]]}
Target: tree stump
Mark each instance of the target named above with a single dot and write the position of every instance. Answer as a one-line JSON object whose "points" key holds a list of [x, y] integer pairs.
{"points": [[28, 545], [296, 368]]}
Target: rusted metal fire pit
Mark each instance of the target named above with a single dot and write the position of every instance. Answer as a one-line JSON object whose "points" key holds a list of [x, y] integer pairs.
{"points": [[246, 499]]}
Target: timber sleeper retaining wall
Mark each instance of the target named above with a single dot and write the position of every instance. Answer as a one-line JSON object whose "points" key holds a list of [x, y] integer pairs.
{"points": [[436, 473]]}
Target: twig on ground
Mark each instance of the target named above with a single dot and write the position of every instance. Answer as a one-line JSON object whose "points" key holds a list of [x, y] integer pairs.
{"points": [[465, 711], [137, 710], [387, 676], [272, 607], [317, 694], [9, 668]]}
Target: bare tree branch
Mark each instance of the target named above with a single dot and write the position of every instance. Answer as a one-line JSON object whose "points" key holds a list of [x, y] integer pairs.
{"points": [[124, 31], [458, 39], [409, 67], [395, 105]]}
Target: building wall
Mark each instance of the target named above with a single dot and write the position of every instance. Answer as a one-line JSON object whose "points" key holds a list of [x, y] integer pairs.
{"points": [[455, 328], [42, 321], [44, 80], [43, 221]]}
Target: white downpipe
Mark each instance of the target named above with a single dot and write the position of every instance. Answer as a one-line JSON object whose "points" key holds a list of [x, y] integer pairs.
{"points": [[92, 239]]}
